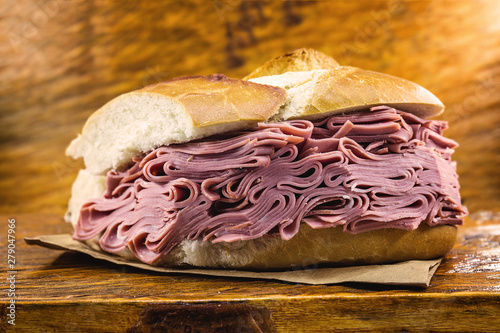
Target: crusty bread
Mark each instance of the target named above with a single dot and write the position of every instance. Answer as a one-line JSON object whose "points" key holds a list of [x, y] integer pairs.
{"points": [[300, 60], [318, 86], [175, 111], [320, 93], [302, 84], [185, 109], [312, 248]]}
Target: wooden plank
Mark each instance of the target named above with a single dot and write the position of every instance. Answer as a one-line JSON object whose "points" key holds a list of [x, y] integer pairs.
{"points": [[63, 290]]}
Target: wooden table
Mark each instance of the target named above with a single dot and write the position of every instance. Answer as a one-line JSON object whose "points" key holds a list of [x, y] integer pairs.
{"points": [[65, 291], [61, 60]]}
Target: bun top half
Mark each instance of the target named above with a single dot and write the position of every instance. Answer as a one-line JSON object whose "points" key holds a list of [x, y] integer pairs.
{"points": [[302, 84], [174, 111]]}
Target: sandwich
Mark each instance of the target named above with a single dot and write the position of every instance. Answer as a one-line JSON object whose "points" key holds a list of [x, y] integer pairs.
{"points": [[303, 163]]}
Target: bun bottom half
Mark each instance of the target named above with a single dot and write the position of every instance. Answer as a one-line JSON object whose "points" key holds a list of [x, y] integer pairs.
{"points": [[328, 247]]}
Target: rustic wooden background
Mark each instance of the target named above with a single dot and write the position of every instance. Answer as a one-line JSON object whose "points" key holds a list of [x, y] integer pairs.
{"points": [[62, 59]]}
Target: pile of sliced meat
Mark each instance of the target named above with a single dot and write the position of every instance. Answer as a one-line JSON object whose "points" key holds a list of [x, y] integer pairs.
{"points": [[364, 171]]}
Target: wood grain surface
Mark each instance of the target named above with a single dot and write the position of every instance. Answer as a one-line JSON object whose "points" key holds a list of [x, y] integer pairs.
{"points": [[61, 60], [67, 291]]}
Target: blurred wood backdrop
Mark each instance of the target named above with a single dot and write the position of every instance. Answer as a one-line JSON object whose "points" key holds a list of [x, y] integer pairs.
{"points": [[62, 59]]}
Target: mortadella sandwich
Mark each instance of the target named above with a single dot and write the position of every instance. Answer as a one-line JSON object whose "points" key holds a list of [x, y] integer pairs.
{"points": [[304, 162]]}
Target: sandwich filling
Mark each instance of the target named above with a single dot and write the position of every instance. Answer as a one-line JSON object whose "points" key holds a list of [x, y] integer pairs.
{"points": [[381, 168]]}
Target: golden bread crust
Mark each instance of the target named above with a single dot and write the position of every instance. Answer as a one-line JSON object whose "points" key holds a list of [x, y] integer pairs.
{"points": [[299, 60], [216, 99], [343, 89], [350, 88], [327, 247], [318, 247]]}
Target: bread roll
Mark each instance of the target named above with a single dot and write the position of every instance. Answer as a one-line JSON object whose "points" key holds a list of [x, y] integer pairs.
{"points": [[302, 84], [185, 109], [320, 93], [300, 60], [175, 111], [329, 247], [317, 247]]}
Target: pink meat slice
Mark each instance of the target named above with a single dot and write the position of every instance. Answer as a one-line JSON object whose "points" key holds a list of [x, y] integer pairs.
{"points": [[362, 171]]}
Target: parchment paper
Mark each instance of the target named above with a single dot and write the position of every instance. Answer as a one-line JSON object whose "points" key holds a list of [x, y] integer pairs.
{"points": [[409, 273]]}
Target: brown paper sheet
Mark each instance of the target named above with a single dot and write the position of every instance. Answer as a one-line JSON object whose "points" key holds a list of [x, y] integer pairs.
{"points": [[410, 273]]}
